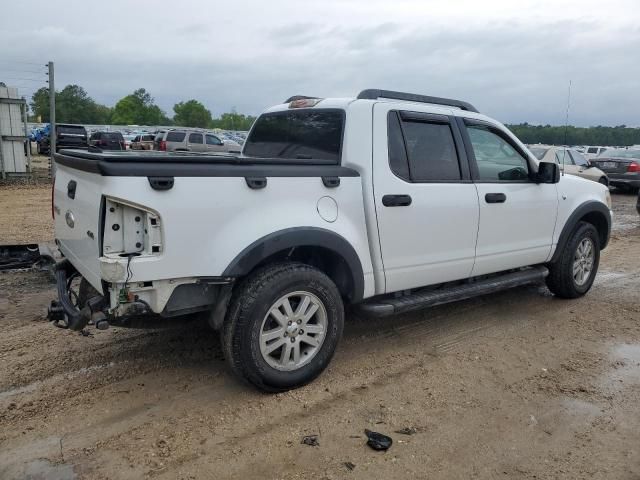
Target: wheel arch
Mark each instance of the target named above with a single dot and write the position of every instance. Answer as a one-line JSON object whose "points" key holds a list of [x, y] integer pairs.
{"points": [[593, 212], [321, 248]]}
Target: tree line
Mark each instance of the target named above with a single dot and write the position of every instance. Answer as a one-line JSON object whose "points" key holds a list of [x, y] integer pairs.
{"points": [[74, 105], [560, 135]]}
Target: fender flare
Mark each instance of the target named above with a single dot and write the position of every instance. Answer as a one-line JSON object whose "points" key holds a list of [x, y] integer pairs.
{"points": [[586, 208], [289, 238]]}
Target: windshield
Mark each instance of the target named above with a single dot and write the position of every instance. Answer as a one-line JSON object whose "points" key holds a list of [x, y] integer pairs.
{"points": [[621, 152], [297, 134], [539, 152]]}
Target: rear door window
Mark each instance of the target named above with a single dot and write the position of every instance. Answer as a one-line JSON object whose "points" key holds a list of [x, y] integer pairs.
{"points": [[176, 136], [422, 150], [195, 138], [309, 134]]}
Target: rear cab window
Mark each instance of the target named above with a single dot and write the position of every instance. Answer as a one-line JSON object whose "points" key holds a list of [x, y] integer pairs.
{"points": [[71, 130], [113, 136], [304, 134]]}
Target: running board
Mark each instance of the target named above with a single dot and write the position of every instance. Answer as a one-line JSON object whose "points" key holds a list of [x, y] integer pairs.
{"points": [[419, 300]]}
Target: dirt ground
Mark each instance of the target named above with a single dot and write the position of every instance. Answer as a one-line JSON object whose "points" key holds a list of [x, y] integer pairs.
{"points": [[514, 385]]}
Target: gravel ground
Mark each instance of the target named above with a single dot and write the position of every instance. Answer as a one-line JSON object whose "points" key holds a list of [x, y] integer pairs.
{"points": [[518, 384], [25, 213]]}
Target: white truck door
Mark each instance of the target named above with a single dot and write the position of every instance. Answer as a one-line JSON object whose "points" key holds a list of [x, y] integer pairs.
{"points": [[517, 215], [427, 207]]}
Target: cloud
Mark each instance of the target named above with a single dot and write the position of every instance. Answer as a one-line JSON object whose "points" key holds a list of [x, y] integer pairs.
{"points": [[513, 62]]}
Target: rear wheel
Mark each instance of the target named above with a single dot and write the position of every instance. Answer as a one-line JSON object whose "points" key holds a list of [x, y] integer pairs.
{"points": [[574, 272], [604, 181], [283, 325]]}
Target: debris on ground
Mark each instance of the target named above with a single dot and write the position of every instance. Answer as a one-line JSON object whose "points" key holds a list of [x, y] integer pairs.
{"points": [[407, 431], [378, 441], [349, 465], [311, 440]]}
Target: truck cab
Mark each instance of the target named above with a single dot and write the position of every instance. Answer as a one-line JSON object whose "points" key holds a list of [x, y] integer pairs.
{"points": [[388, 202]]}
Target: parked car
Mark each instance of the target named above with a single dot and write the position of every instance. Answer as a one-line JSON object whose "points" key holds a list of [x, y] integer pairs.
{"points": [[622, 165], [107, 141], [593, 151], [67, 136], [390, 202], [144, 141], [192, 140], [128, 138], [572, 161]]}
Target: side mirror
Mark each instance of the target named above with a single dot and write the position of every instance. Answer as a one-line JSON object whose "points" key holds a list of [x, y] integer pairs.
{"points": [[548, 173]]}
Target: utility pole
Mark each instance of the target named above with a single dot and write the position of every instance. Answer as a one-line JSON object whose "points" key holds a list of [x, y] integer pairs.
{"points": [[52, 118], [26, 134]]}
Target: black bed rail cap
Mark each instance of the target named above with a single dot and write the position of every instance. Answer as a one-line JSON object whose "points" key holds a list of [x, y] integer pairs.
{"points": [[374, 94]]}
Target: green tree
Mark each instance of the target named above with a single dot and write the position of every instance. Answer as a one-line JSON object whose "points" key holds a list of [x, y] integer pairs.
{"points": [[73, 105], [191, 114], [233, 121], [40, 104], [138, 109]]}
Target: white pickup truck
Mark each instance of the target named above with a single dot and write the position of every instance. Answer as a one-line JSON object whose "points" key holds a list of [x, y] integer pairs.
{"points": [[387, 202]]}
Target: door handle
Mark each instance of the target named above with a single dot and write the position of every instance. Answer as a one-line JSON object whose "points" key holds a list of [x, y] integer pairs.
{"points": [[396, 200], [495, 198]]}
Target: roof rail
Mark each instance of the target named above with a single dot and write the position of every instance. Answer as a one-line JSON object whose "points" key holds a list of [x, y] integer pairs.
{"points": [[298, 97], [374, 94]]}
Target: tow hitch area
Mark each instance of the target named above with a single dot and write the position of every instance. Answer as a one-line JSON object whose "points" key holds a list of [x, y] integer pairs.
{"points": [[66, 311]]}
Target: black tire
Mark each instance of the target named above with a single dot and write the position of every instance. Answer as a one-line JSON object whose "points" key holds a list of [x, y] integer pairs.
{"points": [[561, 281], [248, 308], [604, 181]]}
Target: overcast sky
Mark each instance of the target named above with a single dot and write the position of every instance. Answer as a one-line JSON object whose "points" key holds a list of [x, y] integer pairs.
{"points": [[512, 59]]}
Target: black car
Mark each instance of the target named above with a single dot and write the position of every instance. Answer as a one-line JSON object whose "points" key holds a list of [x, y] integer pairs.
{"points": [[622, 166], [67, 136], [107, 141]]}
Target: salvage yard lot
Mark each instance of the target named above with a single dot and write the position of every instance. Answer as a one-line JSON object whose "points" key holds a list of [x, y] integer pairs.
{"points": [[514, 385]]}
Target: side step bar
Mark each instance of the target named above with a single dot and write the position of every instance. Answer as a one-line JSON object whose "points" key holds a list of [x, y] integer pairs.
{"points": [[419, 300]]}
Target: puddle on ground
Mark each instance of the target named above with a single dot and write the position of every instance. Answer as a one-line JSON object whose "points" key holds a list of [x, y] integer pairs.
{"points": [[625, 367], [603, 277], [43, 469]]}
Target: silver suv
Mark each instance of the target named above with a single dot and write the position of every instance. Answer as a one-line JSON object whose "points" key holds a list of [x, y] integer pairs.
{"points": [[193, 140]]}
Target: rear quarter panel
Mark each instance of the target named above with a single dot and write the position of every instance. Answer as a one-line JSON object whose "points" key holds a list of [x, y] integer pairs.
{"points": [[207, 221]]}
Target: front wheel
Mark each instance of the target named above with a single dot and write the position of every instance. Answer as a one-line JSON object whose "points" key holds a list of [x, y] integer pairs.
{"points": [[283, 325], [574, 272]]}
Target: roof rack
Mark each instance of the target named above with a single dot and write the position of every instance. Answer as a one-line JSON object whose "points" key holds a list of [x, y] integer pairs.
{"points": [[374, 94]]}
